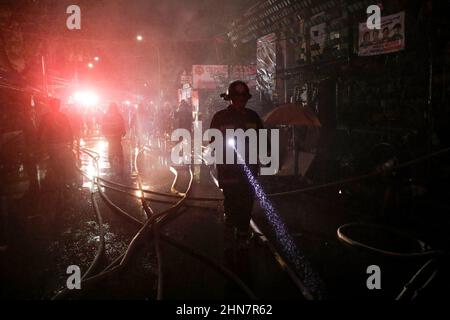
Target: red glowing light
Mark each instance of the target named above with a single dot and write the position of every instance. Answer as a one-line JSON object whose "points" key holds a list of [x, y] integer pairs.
{"points": [[86, 98]]}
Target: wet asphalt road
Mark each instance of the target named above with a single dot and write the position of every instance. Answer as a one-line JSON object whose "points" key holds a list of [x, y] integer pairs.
{"points": [[55, 228], [59, 229]]}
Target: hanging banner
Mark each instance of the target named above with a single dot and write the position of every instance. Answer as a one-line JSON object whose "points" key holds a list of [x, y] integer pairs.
{"points": [[266, 63], [209, 76], [390, 38]]}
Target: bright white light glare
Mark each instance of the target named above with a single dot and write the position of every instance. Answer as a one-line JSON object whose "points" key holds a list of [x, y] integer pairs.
{"points": [[88, 184], [101, 146], [127, 103], [87, 98], [139, 37], [90, 65], [96, 58], [340, 191], [139, 193], [91, 171], [231, 142]]}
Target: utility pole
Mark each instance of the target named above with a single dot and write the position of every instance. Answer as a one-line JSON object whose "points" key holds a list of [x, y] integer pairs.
{"points": [[159, 73]]}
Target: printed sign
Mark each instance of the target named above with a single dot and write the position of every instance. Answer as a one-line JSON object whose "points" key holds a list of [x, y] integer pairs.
{"points": [[209, 76], [390, 38]]}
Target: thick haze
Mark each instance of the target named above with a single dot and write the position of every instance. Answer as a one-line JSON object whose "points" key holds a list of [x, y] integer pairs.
{"points": [[175, 19], [176, 33]]}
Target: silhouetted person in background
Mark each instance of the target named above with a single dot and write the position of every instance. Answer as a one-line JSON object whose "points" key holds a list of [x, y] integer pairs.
{"points": [[55, 134], [113, 128], [184, 115], [29, 130], [76, 123]]}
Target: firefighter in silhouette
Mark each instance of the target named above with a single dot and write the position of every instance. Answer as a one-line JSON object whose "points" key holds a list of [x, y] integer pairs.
{"points": [[113, 129], [55, 134], [233, 179], [28, 125], [76, 124], [184, 115]]}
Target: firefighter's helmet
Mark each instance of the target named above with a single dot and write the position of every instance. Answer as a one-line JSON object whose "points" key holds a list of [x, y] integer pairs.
{"points": [[236, 88]]}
